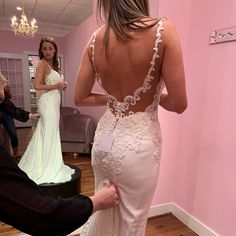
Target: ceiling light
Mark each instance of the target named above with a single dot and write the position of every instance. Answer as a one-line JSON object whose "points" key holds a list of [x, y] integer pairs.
{"points": [[23, 28]]}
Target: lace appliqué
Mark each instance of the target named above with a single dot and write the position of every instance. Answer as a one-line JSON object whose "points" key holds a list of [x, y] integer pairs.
{"points": [[128, 137]]}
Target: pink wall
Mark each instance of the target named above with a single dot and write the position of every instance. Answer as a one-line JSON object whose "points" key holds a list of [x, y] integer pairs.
{"points": [[215, 196], [75, 42], [11, 44], [153, 8], [205, 166]]}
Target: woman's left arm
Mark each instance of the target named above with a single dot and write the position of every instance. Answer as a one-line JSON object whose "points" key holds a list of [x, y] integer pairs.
{"points": [[84, 84]]}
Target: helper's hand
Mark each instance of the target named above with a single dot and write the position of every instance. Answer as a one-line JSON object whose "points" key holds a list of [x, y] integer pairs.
{"points": [[34, 116], [107, 197], [65, 85], [62, 85]]}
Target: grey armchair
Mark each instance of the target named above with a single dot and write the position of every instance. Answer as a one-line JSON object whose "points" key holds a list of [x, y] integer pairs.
{"points": [[76, 130]]}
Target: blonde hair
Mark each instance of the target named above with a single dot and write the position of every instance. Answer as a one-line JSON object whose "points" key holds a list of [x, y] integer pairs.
{"points": [[2, 79]]}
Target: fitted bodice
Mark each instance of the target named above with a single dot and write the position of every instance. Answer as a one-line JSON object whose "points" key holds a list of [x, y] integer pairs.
{"points": [[135, 102], [53, 77]]}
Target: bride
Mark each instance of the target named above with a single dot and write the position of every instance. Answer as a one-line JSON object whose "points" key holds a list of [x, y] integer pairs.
{"points": [[42, 160]]}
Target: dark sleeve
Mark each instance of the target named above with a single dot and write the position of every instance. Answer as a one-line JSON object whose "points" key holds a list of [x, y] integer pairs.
{"points": [[25, 207], [15, 112]]}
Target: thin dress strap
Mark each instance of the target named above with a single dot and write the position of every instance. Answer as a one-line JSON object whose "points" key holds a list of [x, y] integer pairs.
{"points": [[92, 46], [47, 64]]}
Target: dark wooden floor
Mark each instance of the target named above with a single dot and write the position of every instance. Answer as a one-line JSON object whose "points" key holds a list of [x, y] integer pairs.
{"points": [[165, 225]]}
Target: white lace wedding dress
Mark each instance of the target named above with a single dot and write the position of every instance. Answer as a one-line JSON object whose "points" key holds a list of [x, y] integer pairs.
{"points": [[42, 160], [130, 158]]}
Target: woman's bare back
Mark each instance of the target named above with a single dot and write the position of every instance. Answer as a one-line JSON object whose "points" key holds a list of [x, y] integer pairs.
{"points": [[128, 65]]}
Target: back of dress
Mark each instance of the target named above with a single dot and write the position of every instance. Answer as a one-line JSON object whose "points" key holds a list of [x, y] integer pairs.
{"points": [[127, 143]]}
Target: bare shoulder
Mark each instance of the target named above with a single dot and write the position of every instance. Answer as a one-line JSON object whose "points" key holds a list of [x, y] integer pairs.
{"points": [[168, 25], [98, 38], [43, 68], [169, 32], [99, 34], [41, 65]]}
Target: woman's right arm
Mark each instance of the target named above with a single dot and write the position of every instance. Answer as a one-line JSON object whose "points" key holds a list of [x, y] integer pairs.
{"points": [[85, 81], [39, 79]]}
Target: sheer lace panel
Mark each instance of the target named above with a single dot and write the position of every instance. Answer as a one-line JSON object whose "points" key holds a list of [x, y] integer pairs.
{"points": [[127, 106]]}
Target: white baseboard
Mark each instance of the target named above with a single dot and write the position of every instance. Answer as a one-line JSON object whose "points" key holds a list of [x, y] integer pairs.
{"points": [[160, 210], [194, 224]]}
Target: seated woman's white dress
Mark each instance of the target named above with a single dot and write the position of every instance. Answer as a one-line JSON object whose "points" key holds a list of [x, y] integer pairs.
{"points": [[42, 160], [126, 151]]}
